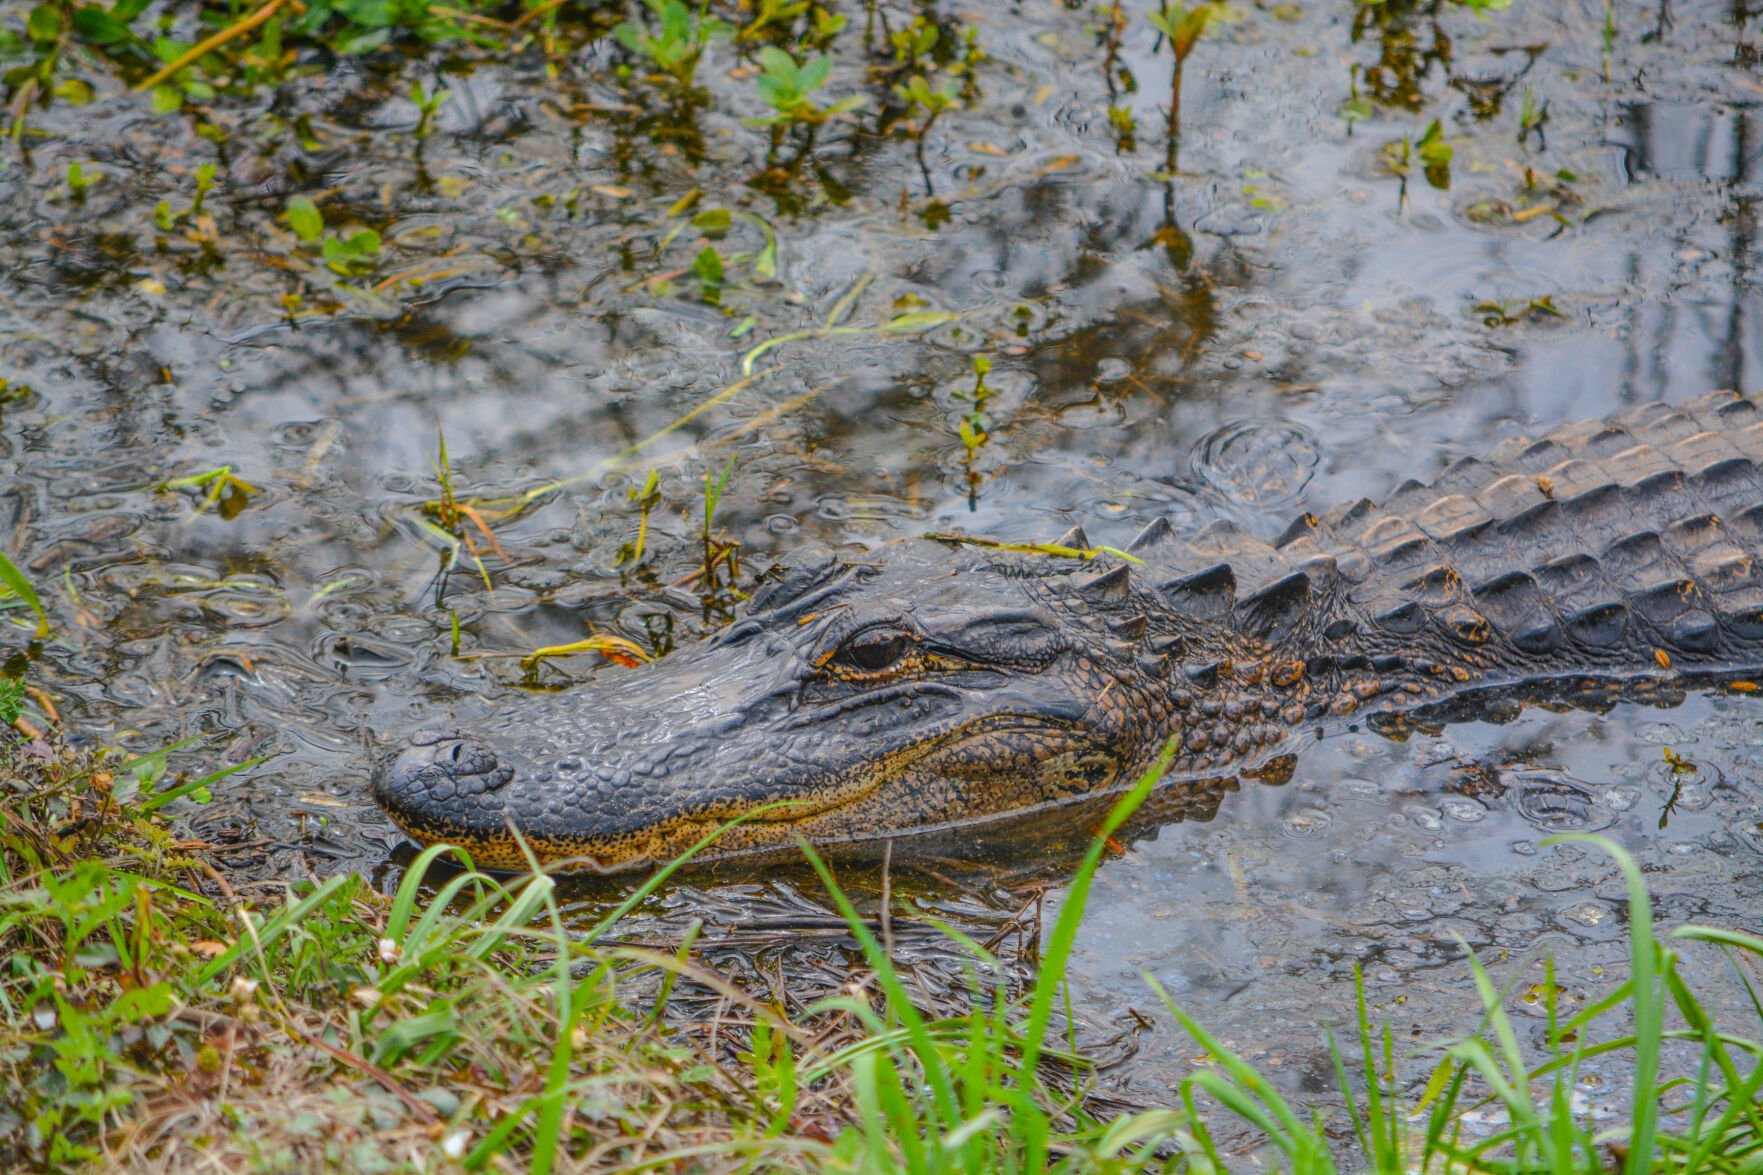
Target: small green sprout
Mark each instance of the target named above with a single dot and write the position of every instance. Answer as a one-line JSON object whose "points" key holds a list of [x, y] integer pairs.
{"points": [[1435, 156], [913, 41], [355, 254], [973, 426], [674, 49], [772, 13], [79, 179], [1430, 149], [204, 185], [1531, 117], [224, 489], [426, 105], [708, 269], [787, 86], [917, 95], [716, 552], [305, 219], [646, 497], [1182, 27]]}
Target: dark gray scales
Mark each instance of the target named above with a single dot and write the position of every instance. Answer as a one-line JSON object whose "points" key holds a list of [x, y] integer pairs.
{"points": [[1639, 532]]}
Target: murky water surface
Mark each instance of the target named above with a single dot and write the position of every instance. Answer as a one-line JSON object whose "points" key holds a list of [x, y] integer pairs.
{"points": [[1284, 322]]}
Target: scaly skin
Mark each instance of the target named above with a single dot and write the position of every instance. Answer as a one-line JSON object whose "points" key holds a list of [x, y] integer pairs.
{"points": [[930, 684]]}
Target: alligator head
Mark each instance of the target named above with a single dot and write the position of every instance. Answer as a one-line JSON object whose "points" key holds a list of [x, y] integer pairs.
{"points": [[851, 699]]}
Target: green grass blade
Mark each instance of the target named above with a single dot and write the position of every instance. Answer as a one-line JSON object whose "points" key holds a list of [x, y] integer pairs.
{"points": [[1648, 1002], [410, 888], [274, 926], [21, 587], [159, 799], [899, 1000], [1053, 961]]}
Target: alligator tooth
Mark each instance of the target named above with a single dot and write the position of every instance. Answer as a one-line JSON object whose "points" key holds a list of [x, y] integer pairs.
{"points": [[1158, 534], [1132, 628], [1074, 538], [1110, 587]]}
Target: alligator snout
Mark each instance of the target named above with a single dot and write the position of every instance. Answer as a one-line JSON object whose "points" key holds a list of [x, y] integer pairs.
{"points": [[443, 778]]}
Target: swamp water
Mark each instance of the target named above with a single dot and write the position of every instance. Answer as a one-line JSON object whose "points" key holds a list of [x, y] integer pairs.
{"points": [[1314, 307]]}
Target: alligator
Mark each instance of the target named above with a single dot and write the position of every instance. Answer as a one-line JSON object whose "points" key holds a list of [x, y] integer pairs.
{"points": [[933, 685]]}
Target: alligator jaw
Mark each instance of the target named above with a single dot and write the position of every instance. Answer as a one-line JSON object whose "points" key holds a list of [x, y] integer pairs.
{"points": [[445, 768]]}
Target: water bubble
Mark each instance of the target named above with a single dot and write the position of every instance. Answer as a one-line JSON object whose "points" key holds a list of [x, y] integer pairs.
{"points": [[1262, 463]]}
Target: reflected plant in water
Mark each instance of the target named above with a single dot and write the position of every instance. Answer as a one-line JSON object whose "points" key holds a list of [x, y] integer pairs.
{"points": [[426, 106]]}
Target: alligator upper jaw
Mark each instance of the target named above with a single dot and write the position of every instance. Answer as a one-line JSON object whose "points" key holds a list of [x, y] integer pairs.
{"points": [[482, 813]]}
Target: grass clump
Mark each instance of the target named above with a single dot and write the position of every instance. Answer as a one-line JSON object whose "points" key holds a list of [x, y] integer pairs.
{"points": [[152, 1013], [155, 1010]]}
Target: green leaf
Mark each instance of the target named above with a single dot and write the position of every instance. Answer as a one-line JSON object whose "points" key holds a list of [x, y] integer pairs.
{"points": [[74, 91], [1432, 145], [713, 222], [99, 26], [778, 64], [373, 14], [813, 75], [305, 219], [44, 23], [21, 587], [167, 99], [141, 1003], [354, 254], [1189, 31], [708, 267], [919, 320]]}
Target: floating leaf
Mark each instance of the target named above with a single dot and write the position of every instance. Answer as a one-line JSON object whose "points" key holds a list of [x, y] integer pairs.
{"points": [[305, 219], [919, 320]]}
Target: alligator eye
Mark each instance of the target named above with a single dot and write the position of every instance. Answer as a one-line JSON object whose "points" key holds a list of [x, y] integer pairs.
{"points": [[873, 651]]}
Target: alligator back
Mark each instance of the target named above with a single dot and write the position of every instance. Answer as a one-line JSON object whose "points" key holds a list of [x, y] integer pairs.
{"points": [[1603, 547]]}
